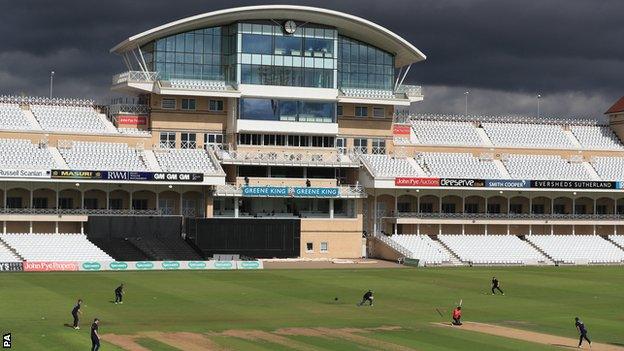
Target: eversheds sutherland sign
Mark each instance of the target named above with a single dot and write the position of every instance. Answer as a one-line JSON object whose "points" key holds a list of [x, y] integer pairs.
{"points": [[127, 176]]}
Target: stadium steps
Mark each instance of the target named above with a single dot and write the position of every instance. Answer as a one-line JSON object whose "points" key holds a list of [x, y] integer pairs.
{"points": [[58, 158], [591, 171], [119, 249], [109, 126], [149, 158], [419, 171], [484, 137], [12, 250], [613, 242], [502, 169], [522, 237], [163, 249], [31, 118], [572, 138], [455, 260]]}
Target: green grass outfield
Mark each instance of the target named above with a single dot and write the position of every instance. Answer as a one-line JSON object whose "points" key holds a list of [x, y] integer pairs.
{"points": [[35, 306]]}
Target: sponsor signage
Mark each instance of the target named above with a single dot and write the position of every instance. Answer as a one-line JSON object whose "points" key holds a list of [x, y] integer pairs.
{"points": [[224, 265], [573, 184], [249, 265], [127, 176], [170, 265], [50, 266], [265, 191], [507, 183], [91, 266], [133, 120], [11, 266], [118, 266], [462, 183], [407, 181], [24, 173], [401, 129], [196, 265], [316, 192]]}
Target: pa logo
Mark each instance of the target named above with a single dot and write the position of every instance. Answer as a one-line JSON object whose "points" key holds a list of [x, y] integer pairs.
{"points": [[6, 341]]}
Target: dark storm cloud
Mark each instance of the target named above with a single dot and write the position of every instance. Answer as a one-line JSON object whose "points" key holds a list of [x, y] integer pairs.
{"points": [[504, 52]]}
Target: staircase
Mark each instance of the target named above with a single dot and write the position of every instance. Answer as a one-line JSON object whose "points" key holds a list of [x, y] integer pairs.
{"points": [[572, 138], [32, 120], [538, 249], [613, 242], [17, 255], [109, 126], [484, 137], [420, 172], [149, 158], [58, 158], [591, 171], [502, 169], [455, 260]]}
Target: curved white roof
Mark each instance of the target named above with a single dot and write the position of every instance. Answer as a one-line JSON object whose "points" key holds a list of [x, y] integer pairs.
{"points": [[348, 25]]}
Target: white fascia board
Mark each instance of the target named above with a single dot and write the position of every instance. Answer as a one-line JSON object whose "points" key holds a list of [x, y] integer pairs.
{"points": [[285, 127]]}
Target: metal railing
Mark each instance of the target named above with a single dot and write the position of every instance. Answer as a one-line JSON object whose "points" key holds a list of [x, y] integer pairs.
{"points": [[345, 191], [23, 100], [79, 211], [410, 90], [540, 216], [393, 244], [139, 109], [406, 117], [285, 158], [135, 77]]}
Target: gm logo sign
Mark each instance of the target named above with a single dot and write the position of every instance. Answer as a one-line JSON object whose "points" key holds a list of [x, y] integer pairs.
{"points": [[6, 341]]}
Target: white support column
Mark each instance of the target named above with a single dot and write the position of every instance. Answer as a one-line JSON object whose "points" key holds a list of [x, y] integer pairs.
{"points": [[552, 229], [56, 226], [130, 204], [31, 198], [81, 199], [418, 229], [158, 201], [486, 229], [530, 204], [236, 207], [4, 227], [530, 229], [463, 229], [30, 227], [508, 229], [463, 211], [181, 207], [107, 199], [396, 204], [81, 227], [396, 228], [331, 208], [375, 214], [486, 208]]}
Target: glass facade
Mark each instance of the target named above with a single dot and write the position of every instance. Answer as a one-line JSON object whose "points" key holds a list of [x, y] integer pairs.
{"points": [[262, 53], [287, 110], [268, 56], [364, 66], [204, 54]]}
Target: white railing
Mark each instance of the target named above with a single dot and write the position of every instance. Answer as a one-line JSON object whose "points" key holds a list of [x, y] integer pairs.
{"points": [[394, 245], [32, 100], [115, 109], [405, 117], [410, 90], [135, 77], [285, 158]]}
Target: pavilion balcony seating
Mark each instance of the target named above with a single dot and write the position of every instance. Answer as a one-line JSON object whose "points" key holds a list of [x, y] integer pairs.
{"points": [[23, 154], [12, 118], [186, 160], [432, 132], [578, 249], [54, 247], [103, 156], [389, 166], [527, 135], [368, 93], [492, 249], [422, 247], [458, 165], [72, 119], [609, 168], [597, 137], [6, 255], [197, 84], [545, 167]]}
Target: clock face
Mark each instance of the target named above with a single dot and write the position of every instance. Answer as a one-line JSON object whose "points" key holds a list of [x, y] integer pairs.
{"points": [[290, 26]]}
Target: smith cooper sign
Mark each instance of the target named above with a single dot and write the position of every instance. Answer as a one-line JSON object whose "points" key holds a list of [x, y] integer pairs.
{"points": [[127, 176]]}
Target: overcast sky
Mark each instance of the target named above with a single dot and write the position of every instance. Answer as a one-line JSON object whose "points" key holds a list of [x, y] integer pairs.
{"points": [[503, 52]]}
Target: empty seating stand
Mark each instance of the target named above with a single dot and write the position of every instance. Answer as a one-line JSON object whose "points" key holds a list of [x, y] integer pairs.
{"points": [[75, 119], [527, 135], [493, 249], [578, 249], [609, 168], [12, 117], [23, 154], [422, 247], [432, 132], [54, 247], [596, 137], [161, 249], [458, 165], [389, 166], [120, 249], [6, 255], [185, 160], [548, 167], [103, 156]]}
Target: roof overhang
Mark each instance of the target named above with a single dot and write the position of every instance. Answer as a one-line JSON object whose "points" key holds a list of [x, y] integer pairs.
{"points": [[347, 25]]}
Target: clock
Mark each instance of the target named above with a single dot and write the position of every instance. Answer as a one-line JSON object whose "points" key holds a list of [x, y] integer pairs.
{"points": [[290, 26]]}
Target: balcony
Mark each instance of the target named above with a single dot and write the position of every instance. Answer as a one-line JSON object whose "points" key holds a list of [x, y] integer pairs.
{"points": [[299, 158], [236, 190], [404, 95], [135, 77]]}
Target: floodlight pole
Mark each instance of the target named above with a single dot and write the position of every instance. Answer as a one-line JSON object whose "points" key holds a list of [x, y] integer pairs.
{"points": [[539, 96], [466, 93], [51, 82]]}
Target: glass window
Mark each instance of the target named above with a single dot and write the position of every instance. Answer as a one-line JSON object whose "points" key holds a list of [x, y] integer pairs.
{"points": [[360, 146], [287, 45], [341, 144], [379, 146], [188, 140], [317, 47], [361, 111], [339, 110], [324, 246], [258, 109], [364, 66], [213, 139], [257, 44], [168, 103], [215, 105], [309, 247], [379, 112], [167, 140], [188, 104], [288, 110]]}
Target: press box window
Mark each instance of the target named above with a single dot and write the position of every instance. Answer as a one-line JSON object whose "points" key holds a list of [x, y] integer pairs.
{"points": [[309, 247], [361, 111], [339, 110], [168, 104], [379, 112], [215, 105], [188, 104]]}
